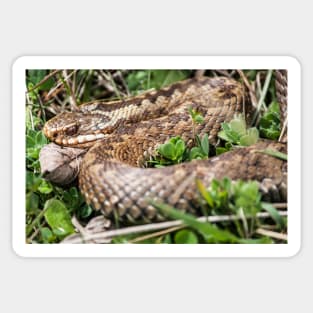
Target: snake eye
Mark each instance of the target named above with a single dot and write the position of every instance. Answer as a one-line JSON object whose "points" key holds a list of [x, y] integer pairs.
{"points": [[71, 130]]}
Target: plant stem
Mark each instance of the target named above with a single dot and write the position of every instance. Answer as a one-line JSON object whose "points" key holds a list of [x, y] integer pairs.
{"points": [[157, 226], [263, 94]]}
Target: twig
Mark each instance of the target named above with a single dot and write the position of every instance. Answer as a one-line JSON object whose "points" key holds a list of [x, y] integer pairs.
{"points": [[110, 78], [280, 205], [282, 133], [59, 83], [269, 233], [35, 221], [248, 85], [79, 227], [35, 233], [121, 78], [43, 81], [156, 234], [159, 226]]}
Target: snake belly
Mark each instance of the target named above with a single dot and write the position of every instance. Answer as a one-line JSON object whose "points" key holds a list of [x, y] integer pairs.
{"points": [[122, 135]]}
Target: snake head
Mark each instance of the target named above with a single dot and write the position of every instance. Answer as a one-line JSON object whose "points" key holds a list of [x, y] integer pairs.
{"points": [[77, 129]]}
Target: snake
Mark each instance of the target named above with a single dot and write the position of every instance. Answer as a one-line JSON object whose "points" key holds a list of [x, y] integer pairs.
{"points": [[121, 136]]}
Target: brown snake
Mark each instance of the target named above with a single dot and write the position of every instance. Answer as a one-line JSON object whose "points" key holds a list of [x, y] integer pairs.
{"points": [[122, 135]]}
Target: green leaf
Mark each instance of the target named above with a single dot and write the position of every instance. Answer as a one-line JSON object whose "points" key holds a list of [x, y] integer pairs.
{"points": [[47, 235], [205, 144], [251, 138], [228, 134], [167, 150], [270, 122], [207, 230], [32, 181], [36, 76], [162, 78], [40, 139], [136, 81], [247, 197], [167, 239], [274, 214], [226, 182], [196, 153], [72, 198], [142, 80], [85, 211], [221, 150], [58, 217], [30, 140], [204, 193], [185, 237], [235, 132], [263, 240], [269, 133], [238, 125], [32, 202], [33, 153], [196, 116], [173, 150], [180, 148], [274, 153], [199, 119], [45, 187]]}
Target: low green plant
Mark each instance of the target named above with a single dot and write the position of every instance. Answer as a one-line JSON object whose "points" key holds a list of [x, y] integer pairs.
{"points": [[224, 197], [202, 148], [239, 198], [270, 122], [138, 81], [236, 133], [174, 151], [48, 208]]}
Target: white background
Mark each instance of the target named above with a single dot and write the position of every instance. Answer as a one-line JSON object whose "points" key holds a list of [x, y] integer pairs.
{"points": [[162, 28]]}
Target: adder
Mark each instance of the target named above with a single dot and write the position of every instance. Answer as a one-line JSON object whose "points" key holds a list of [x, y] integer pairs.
{"points": [[121, 136]]}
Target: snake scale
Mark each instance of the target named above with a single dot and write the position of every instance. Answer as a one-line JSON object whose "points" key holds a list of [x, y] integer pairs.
{"points": [[122, 135]]}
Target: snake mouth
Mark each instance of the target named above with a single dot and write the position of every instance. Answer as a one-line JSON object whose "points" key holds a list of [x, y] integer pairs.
{"points": [[80, 140]]}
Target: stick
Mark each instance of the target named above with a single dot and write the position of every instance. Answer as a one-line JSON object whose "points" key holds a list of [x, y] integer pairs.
{"points": [[269, 233], [159, 226]]}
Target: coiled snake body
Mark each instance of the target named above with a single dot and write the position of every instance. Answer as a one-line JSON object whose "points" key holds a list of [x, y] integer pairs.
{"points": [[122, 135]]}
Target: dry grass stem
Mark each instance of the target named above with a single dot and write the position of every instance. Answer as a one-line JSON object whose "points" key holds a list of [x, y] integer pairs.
{"points": [[283, 130], [272, 234], [262, 96], [156, 234], [70, 87], [59, 84], [81, 238], [249, 87], [280, 205]]}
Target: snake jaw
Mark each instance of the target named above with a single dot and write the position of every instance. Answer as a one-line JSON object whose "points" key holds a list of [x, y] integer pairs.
{"points": [[67, 129]]}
